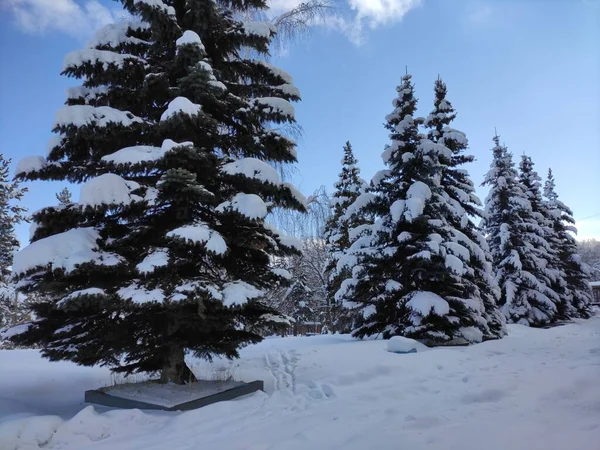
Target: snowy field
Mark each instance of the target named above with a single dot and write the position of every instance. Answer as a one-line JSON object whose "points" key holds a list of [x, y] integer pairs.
{"points": [[534, 390]]}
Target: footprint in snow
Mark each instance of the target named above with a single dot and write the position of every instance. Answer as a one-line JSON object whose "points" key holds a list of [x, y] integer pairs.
{"points": [[320, 392], [485, 396]]}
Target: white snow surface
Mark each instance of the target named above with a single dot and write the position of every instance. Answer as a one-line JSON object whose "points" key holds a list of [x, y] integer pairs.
{"points": [[101, 116], [249, 205], [276, 105], [535, 389], [30, 164], [201, 233], [239, 292], [189, 37], [115, 34], [158, 258], [93, 56], [140, 295], [180, 105], [135, 155], [107, 189], [285, 76], [252, 168], [424, 301], [403, 344], [64, 251]]}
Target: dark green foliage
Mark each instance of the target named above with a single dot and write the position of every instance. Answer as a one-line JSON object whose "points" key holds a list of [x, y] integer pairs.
{"points": [[180, 253], [412, 263], [518, 245]]}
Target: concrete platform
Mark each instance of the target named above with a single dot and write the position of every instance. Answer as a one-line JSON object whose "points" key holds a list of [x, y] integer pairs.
{"points": [[171, 397]]}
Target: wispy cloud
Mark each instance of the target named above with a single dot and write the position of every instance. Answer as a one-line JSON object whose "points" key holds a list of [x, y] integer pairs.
{"points": [[78, 19], [358, 15], [371, 14], [479, 13]]}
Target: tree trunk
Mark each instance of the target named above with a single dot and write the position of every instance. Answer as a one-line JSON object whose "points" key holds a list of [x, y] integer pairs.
{"points": [[174, 368]]}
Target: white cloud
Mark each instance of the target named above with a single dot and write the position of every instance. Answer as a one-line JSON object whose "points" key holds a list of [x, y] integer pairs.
{"points": [[360, 14], [78, 19]]}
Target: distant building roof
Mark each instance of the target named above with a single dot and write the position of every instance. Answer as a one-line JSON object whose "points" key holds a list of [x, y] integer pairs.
{"points": [[595, 283]]}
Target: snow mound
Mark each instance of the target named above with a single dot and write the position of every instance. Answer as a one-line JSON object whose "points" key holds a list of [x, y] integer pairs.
{"points": [[249, 205], [93, 56], [276, 71], [107, 189], [252, 168], [401, 344], [135, 155], [101, 116], [115, 34], [275, 105], [423, 302], [239, 292], [201, 233], [180, 105], [169, 145], [30, 164], [140, 295], [158, 258], [64, 251], [190, 37]]}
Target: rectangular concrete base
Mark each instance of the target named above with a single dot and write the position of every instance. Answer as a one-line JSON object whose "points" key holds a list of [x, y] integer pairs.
{"points": [[199, 394]]}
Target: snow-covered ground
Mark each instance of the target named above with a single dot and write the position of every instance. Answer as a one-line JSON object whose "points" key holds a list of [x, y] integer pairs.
{"points": [[534, 390]]}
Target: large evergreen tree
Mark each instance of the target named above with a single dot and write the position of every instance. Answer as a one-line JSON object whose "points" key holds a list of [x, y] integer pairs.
{"points": [[576, 295], [465, 206], [541, 230], [166, 252], [411, 268], [518, 245], [337, 233]]}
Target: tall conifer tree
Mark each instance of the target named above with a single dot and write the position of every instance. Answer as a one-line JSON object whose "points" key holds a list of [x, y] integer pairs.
{"points": [[518, 245], [409, 275], [337, 233], [576, 294], [465, 206], [166, 251]]}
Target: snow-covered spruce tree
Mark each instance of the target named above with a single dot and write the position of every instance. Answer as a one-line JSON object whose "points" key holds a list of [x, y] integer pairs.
{"points": [[166, 252], [337, 234], [409, 275], [541, 230], [576, 294], [465, 206], [11, 213], [518, 248]]}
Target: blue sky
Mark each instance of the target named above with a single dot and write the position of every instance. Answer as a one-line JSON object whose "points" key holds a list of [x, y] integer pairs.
{"points": [[529, 68]]}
